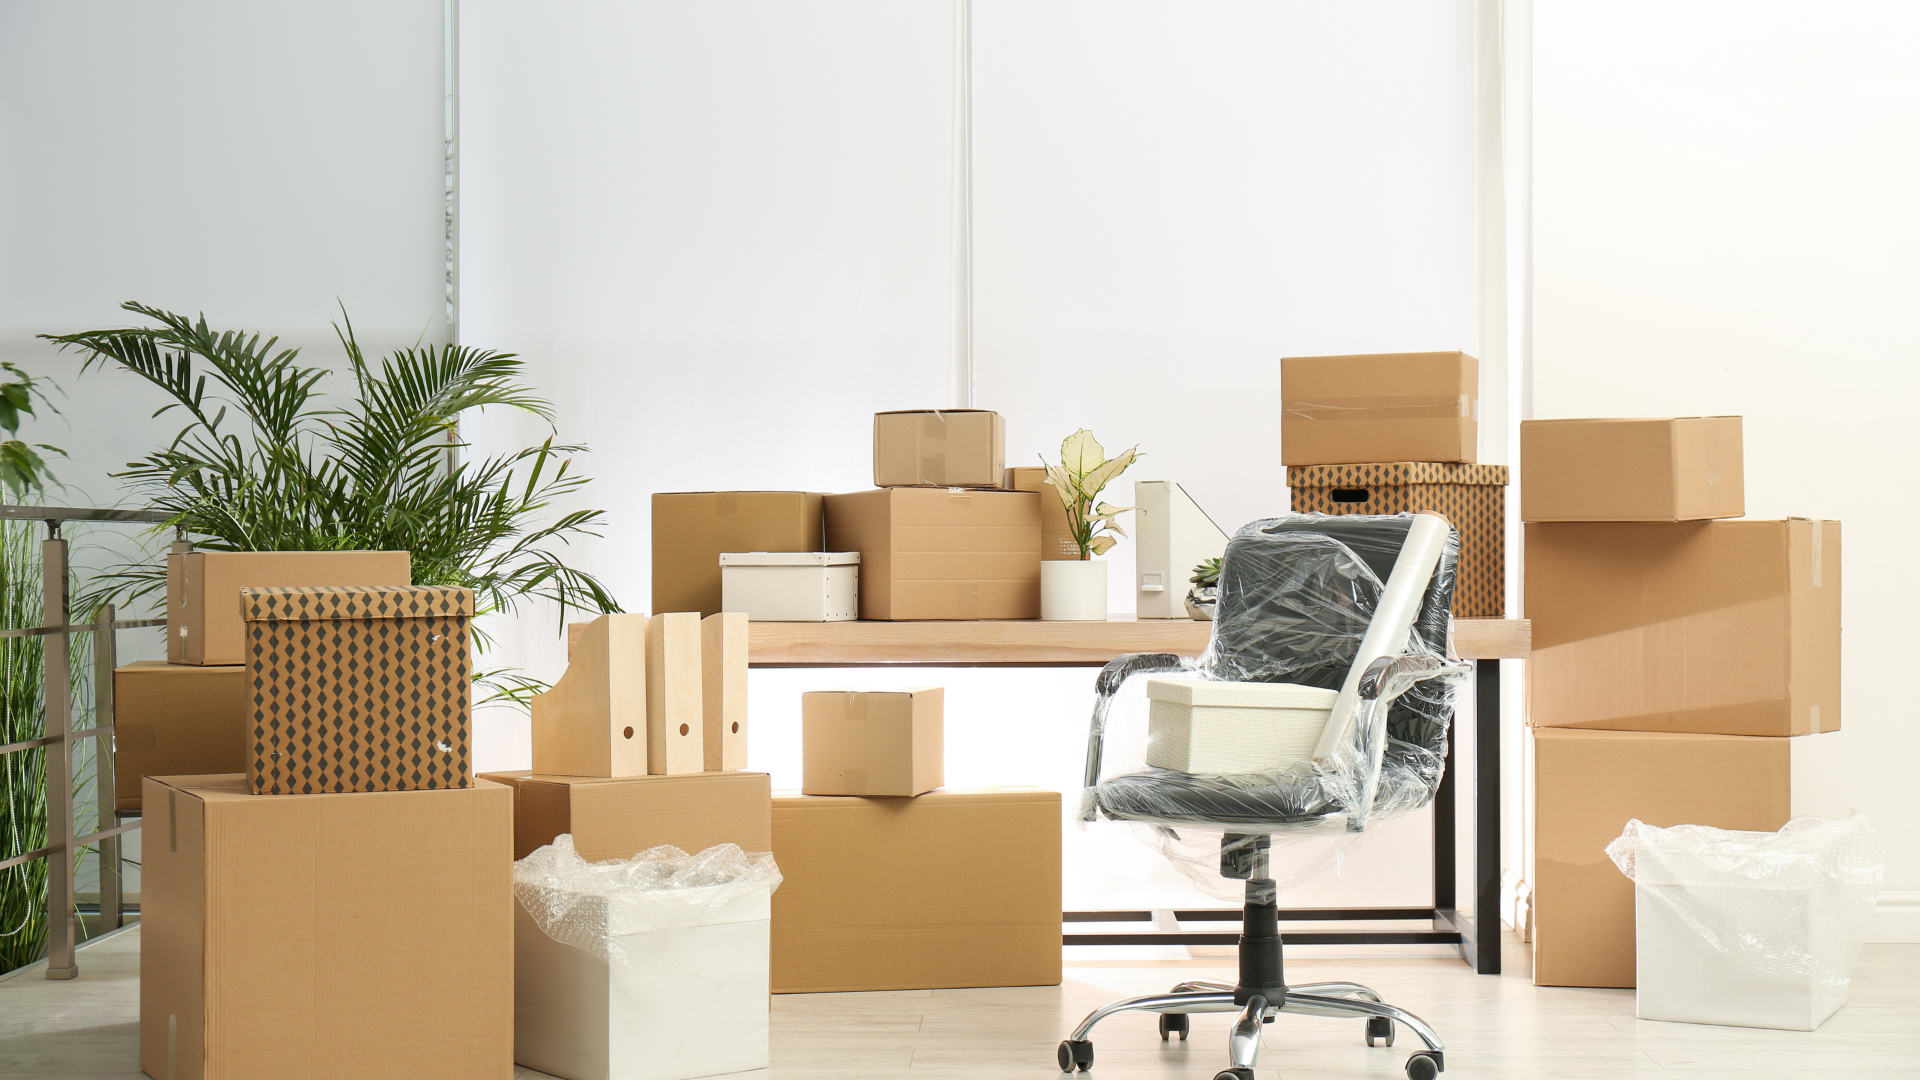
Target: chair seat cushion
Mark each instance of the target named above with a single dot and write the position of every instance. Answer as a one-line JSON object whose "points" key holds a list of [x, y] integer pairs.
{"points": [[1282, 803]]}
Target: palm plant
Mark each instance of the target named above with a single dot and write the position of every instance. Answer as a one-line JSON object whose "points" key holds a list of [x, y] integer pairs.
{"points": [[1084, 471], [22, 469]]}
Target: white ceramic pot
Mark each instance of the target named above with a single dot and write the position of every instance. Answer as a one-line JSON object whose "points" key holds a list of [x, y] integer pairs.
{"points": [[1073, 590]]}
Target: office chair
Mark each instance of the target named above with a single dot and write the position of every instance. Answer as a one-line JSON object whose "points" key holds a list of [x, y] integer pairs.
{"points": [[1298, 597]]}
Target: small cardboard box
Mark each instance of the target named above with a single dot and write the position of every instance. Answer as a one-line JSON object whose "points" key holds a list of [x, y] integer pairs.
{"points": [[620, 818], [1472, 497], [176, 720], [873, 742], [939, 448], [1351, 410], [953, 888], [203, 592], [1686, 468], [941, 553], [692, 528], [365, 688], [1587, 785], [791, 586], [1714, 627], [325, 935], [1056, 538]]}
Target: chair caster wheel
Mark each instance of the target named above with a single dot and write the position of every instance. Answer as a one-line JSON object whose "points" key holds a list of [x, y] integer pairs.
{"points": [[1075, 1055], [1379, 1031], [1424, 1066], [1173, 1024], [1234, 1074]]}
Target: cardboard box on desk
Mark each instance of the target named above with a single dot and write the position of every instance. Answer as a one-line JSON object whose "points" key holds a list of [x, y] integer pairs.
{"points": [[325, 935], [619, 818], [949, 889], [941, 553], [1350, 410], [939, 448], [1686, 468], [1587, 785], [177, 720], [873, 742], [204, 624], [1056, 537], [1714, 627], [692, 528]]}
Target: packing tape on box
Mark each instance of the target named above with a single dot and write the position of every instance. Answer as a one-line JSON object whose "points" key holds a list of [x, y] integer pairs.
{"points": [[1387, 407]]}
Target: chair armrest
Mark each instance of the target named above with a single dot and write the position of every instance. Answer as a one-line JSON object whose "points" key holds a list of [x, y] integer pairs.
{"points": [[1118, 671], [1392, 674]]}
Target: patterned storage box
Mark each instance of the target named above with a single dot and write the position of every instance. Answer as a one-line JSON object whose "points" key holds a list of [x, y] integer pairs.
{"points": [[1473, 497], [359, 688]]}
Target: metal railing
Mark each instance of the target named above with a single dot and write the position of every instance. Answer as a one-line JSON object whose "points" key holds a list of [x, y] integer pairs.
{"points": [[59, 738]]}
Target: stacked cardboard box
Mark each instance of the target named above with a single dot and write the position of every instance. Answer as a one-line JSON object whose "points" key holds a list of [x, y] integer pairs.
{"points": [[1674, 652]]}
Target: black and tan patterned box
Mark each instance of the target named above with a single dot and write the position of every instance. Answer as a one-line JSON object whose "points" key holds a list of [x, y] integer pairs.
{"points": [[1473, 497], [359, 688]]}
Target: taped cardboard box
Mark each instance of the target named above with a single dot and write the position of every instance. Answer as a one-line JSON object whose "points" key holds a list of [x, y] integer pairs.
{"points": [[1587, 785], [1056, 538], [176, 720], [1714, 627], [940, 553], [366, 935], [873, 742], [360, 688], [204, 625], [950, 889], [1351, 410], [692, 528], [619, 818], [1472, 497], [1687, 468], [939, 448]]}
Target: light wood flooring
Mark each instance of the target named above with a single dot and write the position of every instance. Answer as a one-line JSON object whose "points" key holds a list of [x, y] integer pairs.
{"points": [[1495, 1027]]}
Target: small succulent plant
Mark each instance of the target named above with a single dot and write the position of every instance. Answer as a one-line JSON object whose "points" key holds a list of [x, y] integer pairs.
{"points": [[1207, 573]]}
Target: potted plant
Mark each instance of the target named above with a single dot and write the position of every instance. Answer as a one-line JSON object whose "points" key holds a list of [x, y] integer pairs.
{"points": [[1076, 589], [1205, 591]]}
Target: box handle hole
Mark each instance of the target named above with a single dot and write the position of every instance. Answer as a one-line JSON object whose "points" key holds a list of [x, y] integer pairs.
{"points": [[736, 727], [684, 729], [1351, 495], [628, 733]]}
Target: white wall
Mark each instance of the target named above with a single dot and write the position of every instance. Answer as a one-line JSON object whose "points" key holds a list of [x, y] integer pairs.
{"points": [[1725, 222]]}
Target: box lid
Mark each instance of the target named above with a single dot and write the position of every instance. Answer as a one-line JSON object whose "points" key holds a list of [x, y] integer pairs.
{"points": [[354, 602], [789, 558], [1240, 695], [1395, 472]]}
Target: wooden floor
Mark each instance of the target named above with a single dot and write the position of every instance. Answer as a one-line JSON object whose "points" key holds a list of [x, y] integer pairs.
{"points": [[1495, 1028]]}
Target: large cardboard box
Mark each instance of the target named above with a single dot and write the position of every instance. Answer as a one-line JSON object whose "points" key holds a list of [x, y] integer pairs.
{"points": [[1351, 410], [953, 888], [939, 448], [203, 592], [941, 553], [364, 935], [1056, 537], [1472, 497], [873, 742], [176, 720], [1587, 785], [617, 818], [360, 688], [692, 528], [1687, 468], [1715, 627]]}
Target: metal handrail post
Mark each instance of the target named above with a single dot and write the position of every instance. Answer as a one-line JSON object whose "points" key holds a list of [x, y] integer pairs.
{"points": [[105, 788], [59, 721]]}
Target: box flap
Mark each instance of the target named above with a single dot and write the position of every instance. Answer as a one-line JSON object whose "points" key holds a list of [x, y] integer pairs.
{"points": [[355, 602]]}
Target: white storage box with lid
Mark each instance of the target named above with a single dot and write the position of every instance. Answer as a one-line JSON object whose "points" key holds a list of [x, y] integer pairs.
{"points": [[791, 586], [1198, 725]]}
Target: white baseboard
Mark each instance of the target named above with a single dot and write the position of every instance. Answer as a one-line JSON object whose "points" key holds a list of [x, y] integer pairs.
{"points": [[1896, 916]]}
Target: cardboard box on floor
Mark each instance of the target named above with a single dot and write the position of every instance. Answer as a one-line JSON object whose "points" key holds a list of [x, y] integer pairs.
{"points": [[365, 934], [939, 448], [941, 553], [176, 720], [619, 818], [1714, 627], [204, 624], [953, 888], [1056, 538], [873, 742], [1687, 468], [692, 528], [1587, 785], [1351, 410]]}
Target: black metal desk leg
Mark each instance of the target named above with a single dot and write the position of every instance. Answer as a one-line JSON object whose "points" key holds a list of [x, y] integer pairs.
{"points": [[1486, 817]]}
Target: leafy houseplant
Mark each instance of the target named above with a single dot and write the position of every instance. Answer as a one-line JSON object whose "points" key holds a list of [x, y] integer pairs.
{"points": [[1076, 589], [22, 469]]}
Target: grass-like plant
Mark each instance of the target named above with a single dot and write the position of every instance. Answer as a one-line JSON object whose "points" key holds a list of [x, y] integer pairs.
{"points": [[1084, 471], [23, 774]]}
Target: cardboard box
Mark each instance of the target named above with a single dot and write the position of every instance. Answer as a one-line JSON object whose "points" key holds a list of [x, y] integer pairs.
{"points": [[363, 688], [953, 888], [1587, 785], [619, 818], [203, 592], [594, 720], [692, 528], [938, 553], [1715, 627], [1056, 538], [1687, 468], [1472, 497], [365, 935], [939, 448], [1350, 410], [873, 742], [723, 677], [791, 586], [176, 720]]}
